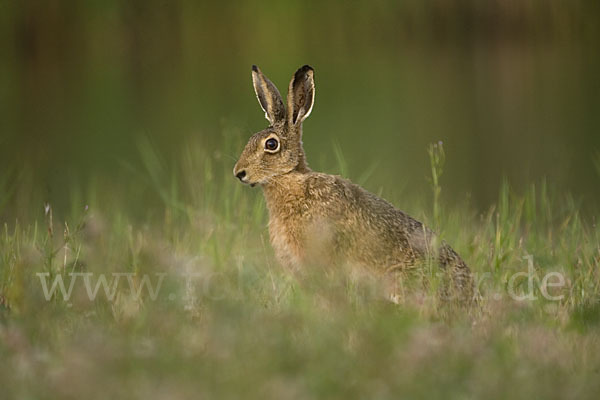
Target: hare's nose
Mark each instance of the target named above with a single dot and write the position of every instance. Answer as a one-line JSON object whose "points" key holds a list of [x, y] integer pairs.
{"points": [[241, 175]]}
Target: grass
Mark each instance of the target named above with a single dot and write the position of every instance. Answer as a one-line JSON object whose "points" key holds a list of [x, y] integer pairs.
{"points": [[241, 326]]}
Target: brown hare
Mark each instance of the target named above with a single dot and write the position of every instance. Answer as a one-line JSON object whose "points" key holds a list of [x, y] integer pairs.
{"points": [[316, 218]]}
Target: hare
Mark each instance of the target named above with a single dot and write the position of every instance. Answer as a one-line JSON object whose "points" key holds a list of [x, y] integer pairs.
{"points": [[320, 218]]}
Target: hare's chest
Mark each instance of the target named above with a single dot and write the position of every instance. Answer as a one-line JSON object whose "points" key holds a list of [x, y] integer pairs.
{"points": [[303, 239], [287, 240]]}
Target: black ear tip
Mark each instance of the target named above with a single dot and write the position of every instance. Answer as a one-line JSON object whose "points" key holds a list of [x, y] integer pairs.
{"points": [[302, 71], [254, 68]]}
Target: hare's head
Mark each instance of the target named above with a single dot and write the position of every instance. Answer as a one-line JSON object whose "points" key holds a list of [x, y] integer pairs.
{"points": [[277, 150]]}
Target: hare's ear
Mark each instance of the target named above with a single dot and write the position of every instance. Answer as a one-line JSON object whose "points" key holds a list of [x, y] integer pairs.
{"points": [[301, 95], [268, 97]]}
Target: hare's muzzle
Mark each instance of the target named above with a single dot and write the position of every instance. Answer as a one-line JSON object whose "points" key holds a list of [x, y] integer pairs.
{"points": [[240, 173]]}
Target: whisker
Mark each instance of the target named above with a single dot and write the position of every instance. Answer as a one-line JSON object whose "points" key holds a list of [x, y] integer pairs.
{"points": [[230, 156]]}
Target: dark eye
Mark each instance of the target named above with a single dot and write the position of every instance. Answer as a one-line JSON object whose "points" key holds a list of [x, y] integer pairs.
{"points": [[271, 144]]}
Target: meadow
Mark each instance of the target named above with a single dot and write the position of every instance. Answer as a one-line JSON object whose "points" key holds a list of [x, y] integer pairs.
{"points": [[226, 321], [120, 123]]}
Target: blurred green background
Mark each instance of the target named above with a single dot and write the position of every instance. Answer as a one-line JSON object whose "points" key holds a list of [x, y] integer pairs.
{"points": [[511, 87], [139, 109]]}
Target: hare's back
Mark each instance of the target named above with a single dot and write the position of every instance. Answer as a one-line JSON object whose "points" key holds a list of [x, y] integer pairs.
{"points": [[369, 224]]}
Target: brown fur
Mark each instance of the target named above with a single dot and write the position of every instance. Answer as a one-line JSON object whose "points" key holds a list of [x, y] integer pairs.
{"points": [[315, 218]]}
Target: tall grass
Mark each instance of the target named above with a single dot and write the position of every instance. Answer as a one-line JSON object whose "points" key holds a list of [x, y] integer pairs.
{"points": [[243, 327], [437, 158]]}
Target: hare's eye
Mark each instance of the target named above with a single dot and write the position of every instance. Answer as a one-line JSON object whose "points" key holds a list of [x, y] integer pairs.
{"points": [[271, 144]]}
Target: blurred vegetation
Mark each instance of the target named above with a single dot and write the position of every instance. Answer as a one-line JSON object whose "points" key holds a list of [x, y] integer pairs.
{"points": [[510, 87], [120, 123]]}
